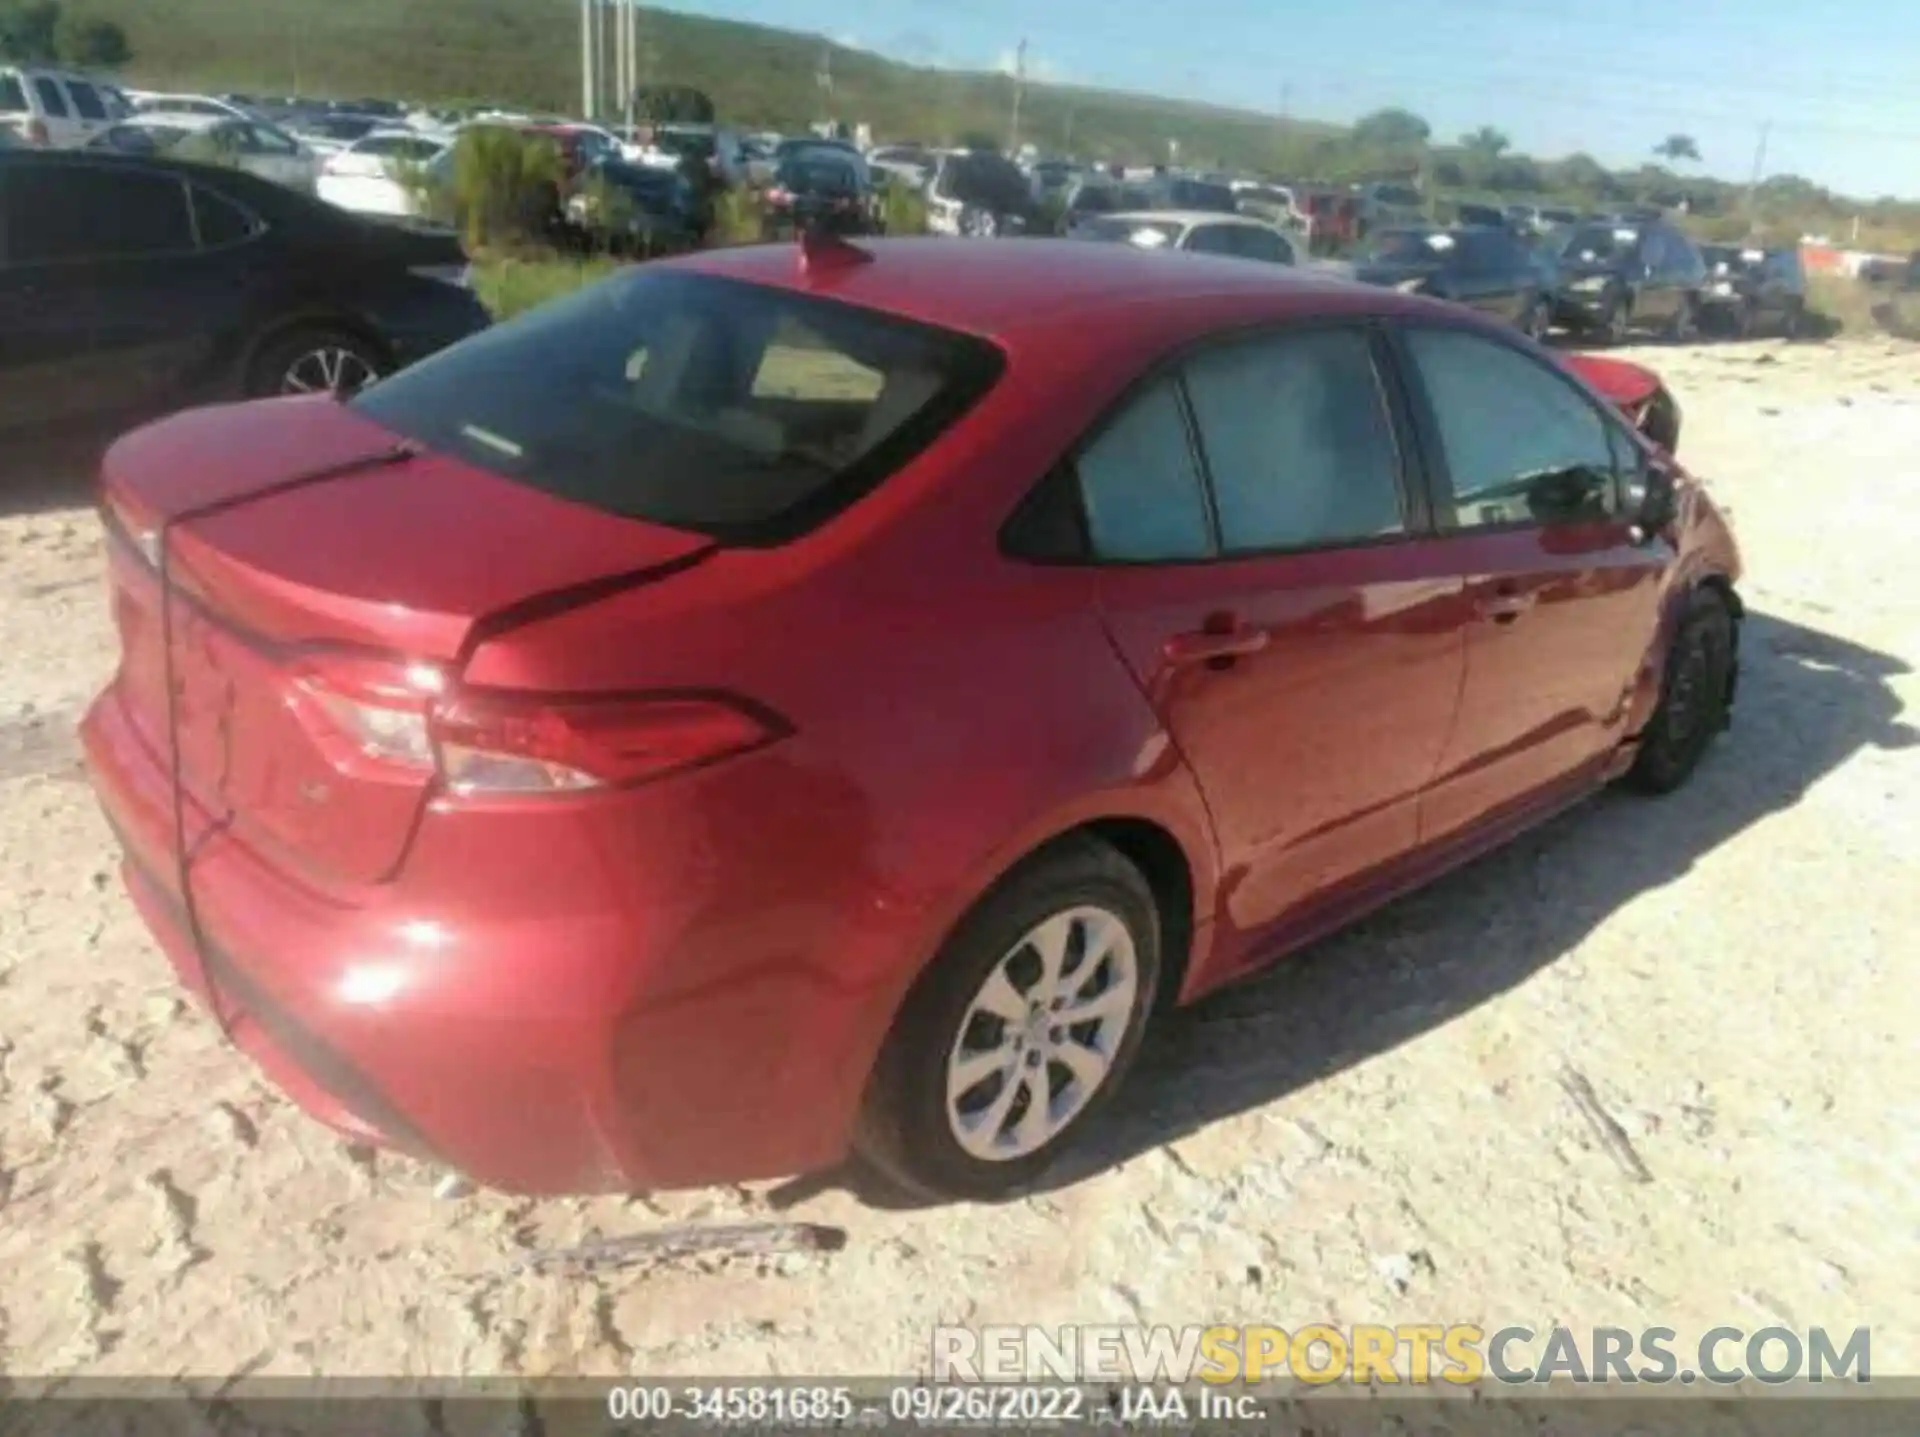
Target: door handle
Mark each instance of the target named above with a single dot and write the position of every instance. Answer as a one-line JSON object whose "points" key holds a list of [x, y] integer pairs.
{"points": [[1217, 648]]}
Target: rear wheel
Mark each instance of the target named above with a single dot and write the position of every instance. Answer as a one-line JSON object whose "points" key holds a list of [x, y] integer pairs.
{"points": [[1685, 324], [1615, 315], [1793, 319], [314, 361], [1694, 696], [1019, 1032]]}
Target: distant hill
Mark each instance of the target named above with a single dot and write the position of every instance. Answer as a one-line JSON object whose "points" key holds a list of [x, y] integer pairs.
{"points": [[527, 52]]}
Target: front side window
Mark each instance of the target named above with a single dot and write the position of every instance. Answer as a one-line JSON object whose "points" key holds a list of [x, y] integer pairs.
{"points": [[736, 410], [1140, 487], [86, 100], [1298, 441], [1522, 445], [1211, 239]]}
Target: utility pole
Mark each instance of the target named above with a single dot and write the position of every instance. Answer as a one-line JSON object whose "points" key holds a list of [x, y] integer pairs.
{"points": [[1019, 89], [1759, 166], [634, 78], [623, 50], [589, 58]]}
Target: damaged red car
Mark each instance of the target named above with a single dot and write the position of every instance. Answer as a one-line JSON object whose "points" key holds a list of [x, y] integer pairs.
{"points": [[793, 701]]}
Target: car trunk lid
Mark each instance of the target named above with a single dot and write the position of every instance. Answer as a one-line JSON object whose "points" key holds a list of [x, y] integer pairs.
{"points": [[257, 587]]}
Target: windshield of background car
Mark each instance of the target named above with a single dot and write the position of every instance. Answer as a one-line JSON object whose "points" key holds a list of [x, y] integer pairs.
{"points": [[1407, 247], [816, 174], [1148, 234], [1599, 242], [742, 411], [684, 142]]}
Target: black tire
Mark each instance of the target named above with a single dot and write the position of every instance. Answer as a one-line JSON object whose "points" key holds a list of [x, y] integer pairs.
{"points": [[1695, 693], [1685, 324], [1747, 321], [1615, 319], [1537, 322], [1793, 319], [904, 1132], [269, 371]]}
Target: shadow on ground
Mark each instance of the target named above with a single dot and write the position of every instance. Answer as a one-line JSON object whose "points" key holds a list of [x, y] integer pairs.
{"points": [[1809, 702], [40, 474]]}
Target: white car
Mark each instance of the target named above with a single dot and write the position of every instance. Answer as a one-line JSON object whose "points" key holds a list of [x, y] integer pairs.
{"points": [[1195, 231], [153, 102], [254, 145], [912, 165], [368, 176], [55, 109]]}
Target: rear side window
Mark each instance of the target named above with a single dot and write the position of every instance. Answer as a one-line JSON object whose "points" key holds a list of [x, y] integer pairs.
{"points": [[78, 212], [220, 221], [13, 96], [53, 100], [736, 410], [86, 100], [1140, 487], [1298, 440]]}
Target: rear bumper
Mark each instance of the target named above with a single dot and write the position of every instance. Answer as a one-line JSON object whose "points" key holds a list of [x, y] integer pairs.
{"points": [[632, 1027]]}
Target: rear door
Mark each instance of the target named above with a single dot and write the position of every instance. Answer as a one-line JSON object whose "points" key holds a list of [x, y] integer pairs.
{"points": [[50, 97], [114, 248], [1269, 583], [90, 109], [1527, 489], [47, 314]]}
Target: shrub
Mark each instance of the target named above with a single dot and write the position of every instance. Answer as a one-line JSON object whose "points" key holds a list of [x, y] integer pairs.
{"points": [[512, 286], [503, 187], [903, 209], [738, 217]]}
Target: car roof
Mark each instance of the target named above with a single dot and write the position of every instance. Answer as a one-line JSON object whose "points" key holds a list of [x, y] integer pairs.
{"points": [[184, 119], [1022, 291], [1187, 217]]}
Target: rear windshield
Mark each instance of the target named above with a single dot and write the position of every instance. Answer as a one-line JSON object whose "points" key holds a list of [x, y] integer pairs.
{"points": [[740, 411], [813, 173]]}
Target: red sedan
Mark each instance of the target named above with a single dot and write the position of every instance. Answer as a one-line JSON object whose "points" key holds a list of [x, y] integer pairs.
{"points": [[798, 699]]}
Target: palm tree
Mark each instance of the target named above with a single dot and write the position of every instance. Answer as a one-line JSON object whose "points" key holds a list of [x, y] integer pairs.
{"points": [[1678, 147], [1486, 141]]}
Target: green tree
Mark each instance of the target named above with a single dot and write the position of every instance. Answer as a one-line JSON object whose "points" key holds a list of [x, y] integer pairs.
{"points": [[27, 31], [672, 105], [1676, 148], [1391, 129], [1486, 141], [91, 44]]}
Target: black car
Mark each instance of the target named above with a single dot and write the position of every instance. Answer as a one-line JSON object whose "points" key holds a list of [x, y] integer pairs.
{"points": [[626, 207], [133, 286], [816, 188], [1485, 267], [1750, 289], [1622, 275]]}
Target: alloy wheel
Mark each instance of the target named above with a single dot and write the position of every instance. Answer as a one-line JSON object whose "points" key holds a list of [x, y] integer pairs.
{"points": [[1041, 1035], [329, 369]]}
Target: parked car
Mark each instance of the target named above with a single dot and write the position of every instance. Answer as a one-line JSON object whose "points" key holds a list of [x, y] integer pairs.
{"points": [[589, 845], [1384, 203], [1618, 276], [1183, 192], [1539, 219], [1750, 289], [1483, 267], [255, 146], [818, 188], [154, 102], [132, 286], [630, 207], [55, 109], [911, 165], [979, 194], [1197, 232], [720, 147], [330, 134], [381, 173]]}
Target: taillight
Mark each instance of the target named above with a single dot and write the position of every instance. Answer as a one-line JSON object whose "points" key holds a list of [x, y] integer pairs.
{"points": [[484, 743], [489, 744]]}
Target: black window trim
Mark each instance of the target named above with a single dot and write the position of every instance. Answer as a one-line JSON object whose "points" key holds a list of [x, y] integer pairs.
{"points": [[1426, 424], [1411, 477]]}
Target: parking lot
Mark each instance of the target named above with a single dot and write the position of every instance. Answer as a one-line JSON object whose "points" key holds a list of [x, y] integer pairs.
{"points": [[1380, 1131]]}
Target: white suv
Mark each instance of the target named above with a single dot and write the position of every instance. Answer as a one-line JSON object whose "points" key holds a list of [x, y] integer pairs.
{"points": [[55, 109]]}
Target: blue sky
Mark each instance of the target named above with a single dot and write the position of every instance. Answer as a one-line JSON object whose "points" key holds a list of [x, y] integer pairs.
{"points": [[1839, 81]]}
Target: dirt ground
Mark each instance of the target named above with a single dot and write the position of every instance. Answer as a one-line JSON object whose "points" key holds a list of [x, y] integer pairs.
{"points": [[1379, 1131]]}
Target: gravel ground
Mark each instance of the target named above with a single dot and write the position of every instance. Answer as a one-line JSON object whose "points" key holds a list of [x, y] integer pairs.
{"points": [[1379, 1131]]}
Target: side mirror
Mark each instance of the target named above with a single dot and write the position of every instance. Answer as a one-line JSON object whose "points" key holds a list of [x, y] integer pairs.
{"points": [[1652, 500]]}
